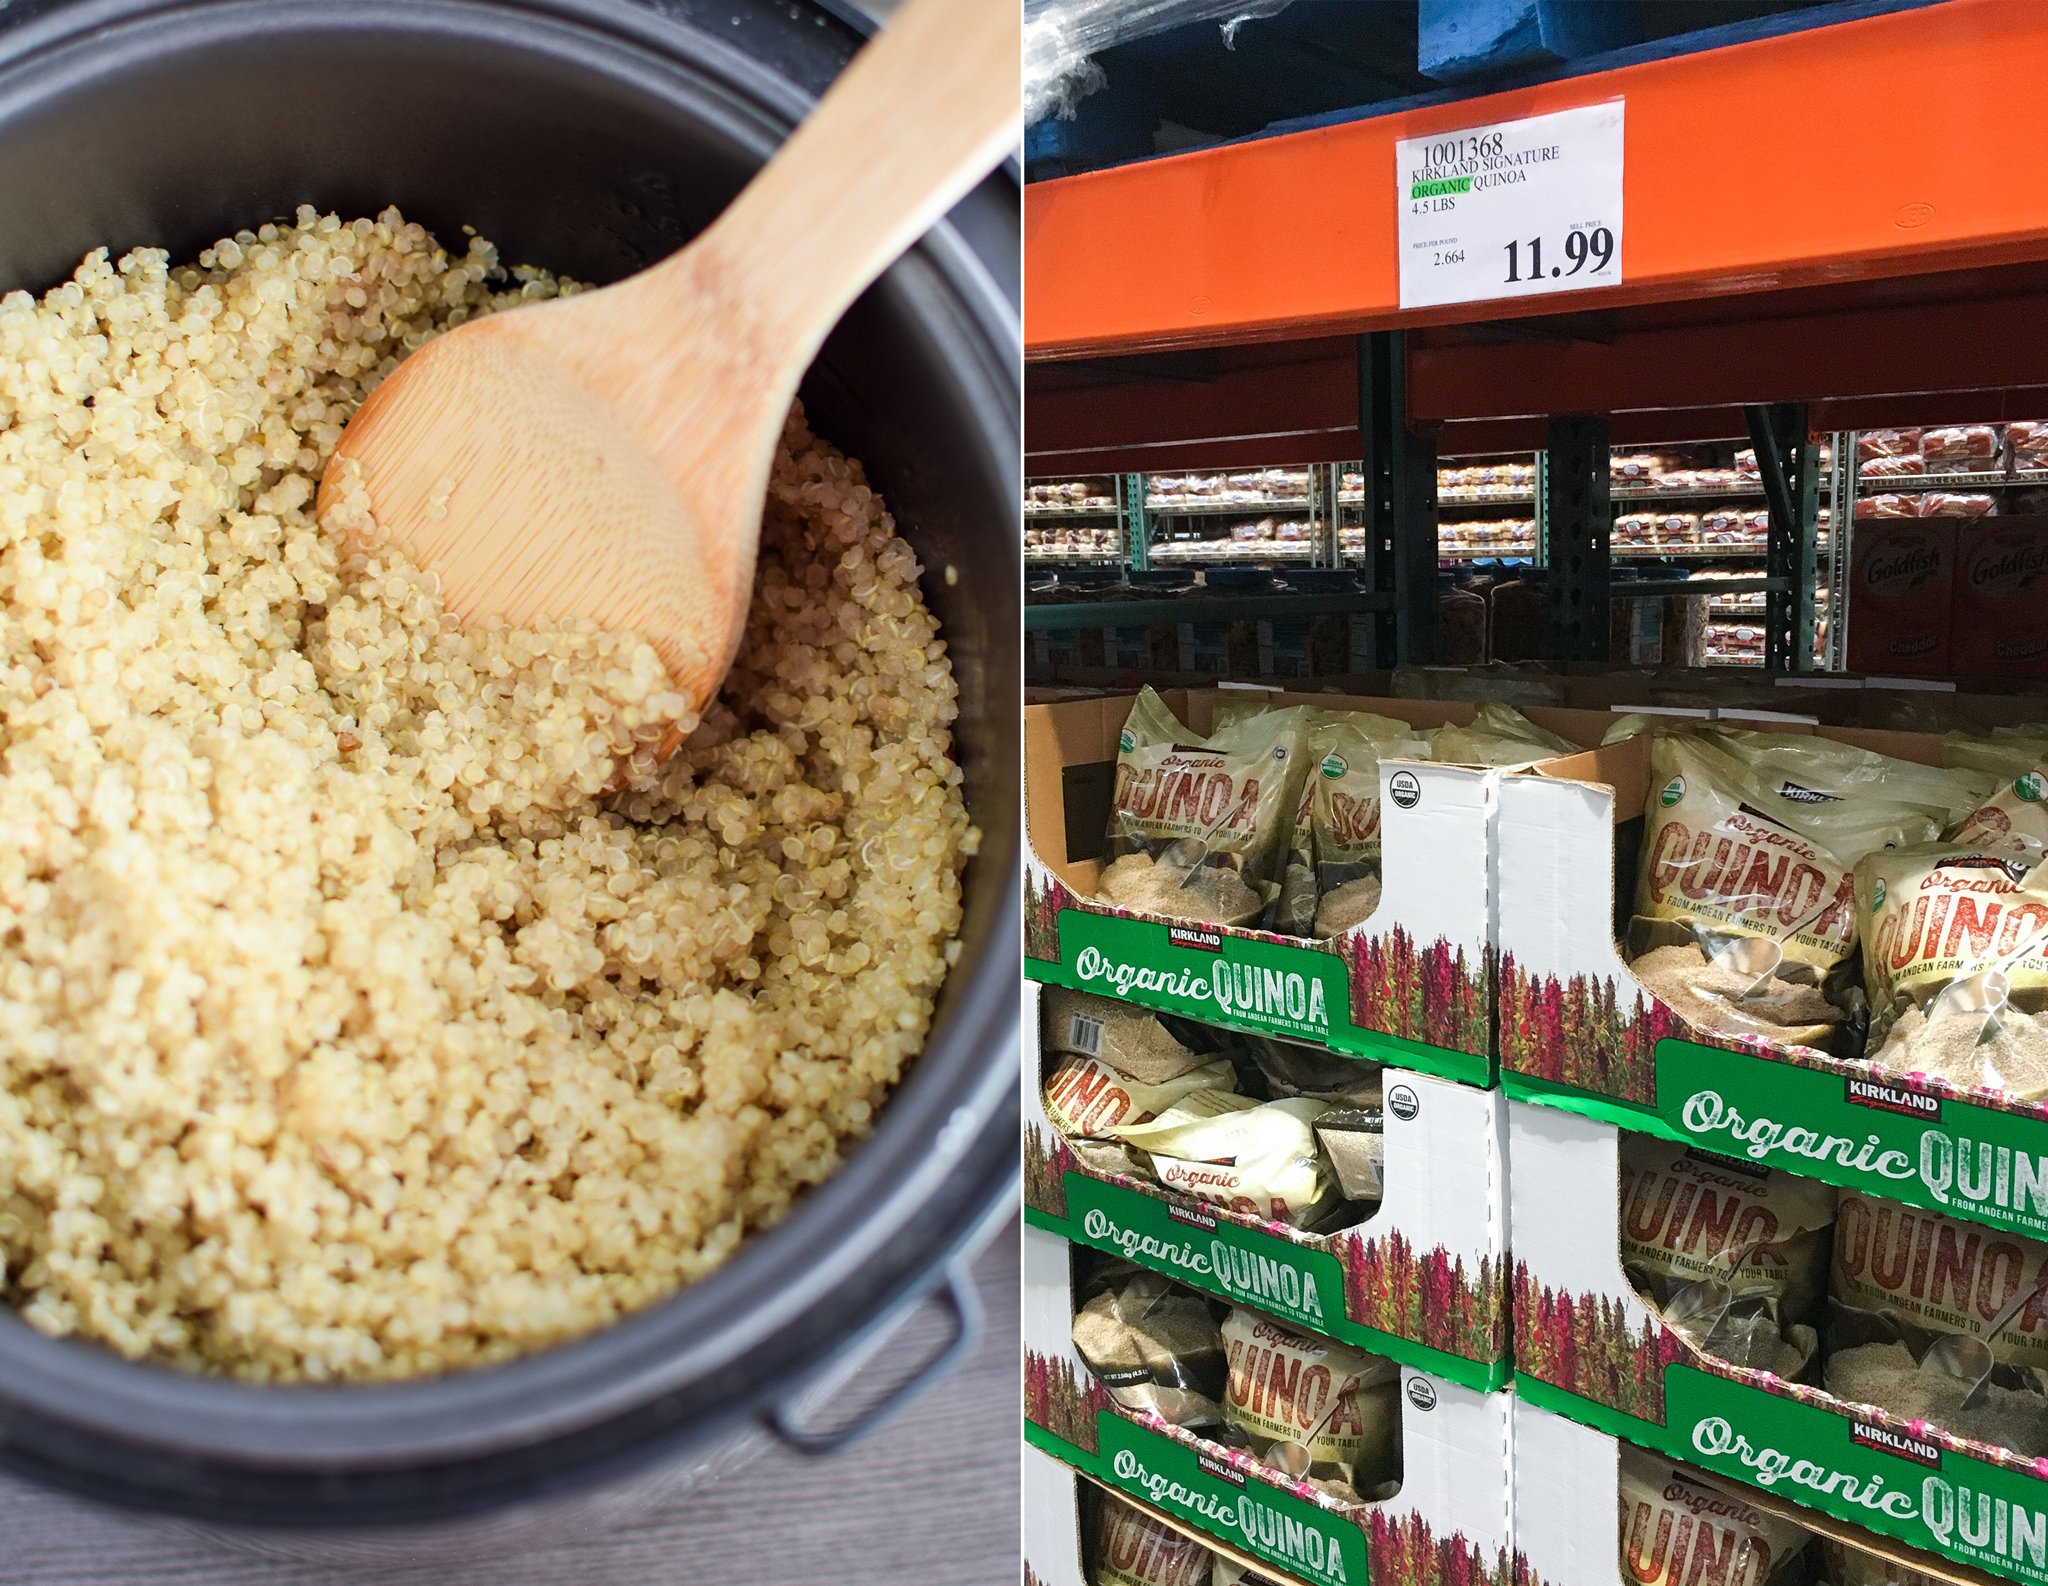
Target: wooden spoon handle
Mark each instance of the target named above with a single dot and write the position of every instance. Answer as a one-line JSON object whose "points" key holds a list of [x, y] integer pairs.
{"points": [[924, 111]]}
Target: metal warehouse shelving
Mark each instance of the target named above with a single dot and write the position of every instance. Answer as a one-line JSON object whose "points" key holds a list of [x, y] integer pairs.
{"points": [[1168, 329]]}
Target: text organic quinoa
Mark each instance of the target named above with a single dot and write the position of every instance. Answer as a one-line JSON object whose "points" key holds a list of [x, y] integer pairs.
{"points": [[346, 1030]]}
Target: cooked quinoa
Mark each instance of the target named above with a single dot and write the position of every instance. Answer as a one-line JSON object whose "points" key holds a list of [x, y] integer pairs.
{"points": [[349, 1026]]}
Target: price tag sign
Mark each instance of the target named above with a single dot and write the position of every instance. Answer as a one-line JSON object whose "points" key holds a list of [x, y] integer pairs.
{"points": [[1513, 209]]}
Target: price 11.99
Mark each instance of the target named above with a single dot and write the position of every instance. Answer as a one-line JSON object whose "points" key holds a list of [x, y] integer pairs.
{"points": [[1590, 251]]}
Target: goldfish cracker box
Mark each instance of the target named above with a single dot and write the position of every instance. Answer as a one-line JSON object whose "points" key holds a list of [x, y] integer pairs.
{"points": [[1901, 583]]}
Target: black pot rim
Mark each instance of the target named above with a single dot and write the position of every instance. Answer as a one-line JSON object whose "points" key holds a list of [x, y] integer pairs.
{"points": [[932, 1141]]}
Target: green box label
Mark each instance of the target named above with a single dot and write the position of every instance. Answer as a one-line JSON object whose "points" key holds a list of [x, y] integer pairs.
{"points": [[1299, 1285], [1291, 1533], [1287, 1281], [1208, 974], [1860, 1131], [1268, 988], [1926, 1496]]}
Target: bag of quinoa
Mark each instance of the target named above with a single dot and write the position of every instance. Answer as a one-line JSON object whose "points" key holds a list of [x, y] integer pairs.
{"points": [[1725, 857], [1087, 1099], [1231, 1573], [1810, 770], [1733, 1256], [2003, 752], [1938, 914], [1313, 1408], [1678, 1530], [1150, 1047], [1333, 877], [1851, 1566], [1115, 1065], [2014, 819], [1251, 1157], [1153, 1345], [1133, 1549], [1352, 1132], [1198, 827], [1499, 735], [1902, 1278]]}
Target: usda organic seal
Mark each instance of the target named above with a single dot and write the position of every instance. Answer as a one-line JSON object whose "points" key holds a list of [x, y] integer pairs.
{"points": [[1674, 790], [1405, 789], [1334, 766]]}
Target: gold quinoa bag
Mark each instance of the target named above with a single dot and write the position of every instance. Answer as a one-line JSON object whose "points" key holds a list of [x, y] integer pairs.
{"points": [[1849, 1566], [1231, 1573], [1116, 1065], [1903, 1277], [1807, 769], [1245, 1156], [1198, 827], [1940, 915], [1352, 1133], [1312, 1407], [1152, 1344], [1133, 1549], [1498, 735], [1149, 1046], [1333, 864], [2014, 819], [1725, 856], [1087, 1099], [2004, 752], [1677, 1530], [1734, 1256]]}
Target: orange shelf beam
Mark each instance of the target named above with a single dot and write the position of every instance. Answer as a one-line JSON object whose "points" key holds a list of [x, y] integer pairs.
{"points": [[1896, 144]]}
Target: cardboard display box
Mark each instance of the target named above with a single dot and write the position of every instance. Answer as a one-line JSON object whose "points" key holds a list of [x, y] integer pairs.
{"points": [[1062, 1535], [1577, 1030], [1411, 985], [1567, 1496], [2001, 577], [1590, 1350], [1422, 1281], [1449, 1521], [1901, 595]]}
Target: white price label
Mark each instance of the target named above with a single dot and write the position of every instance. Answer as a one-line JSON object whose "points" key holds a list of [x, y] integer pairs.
{"points": [[1512, 209]]}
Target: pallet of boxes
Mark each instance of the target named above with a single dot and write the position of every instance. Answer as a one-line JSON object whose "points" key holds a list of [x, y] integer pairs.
{"points": [[1737, 1030], [1266, 1309], [1770, 1022]]}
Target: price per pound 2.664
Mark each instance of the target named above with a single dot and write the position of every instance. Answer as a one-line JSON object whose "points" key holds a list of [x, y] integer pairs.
{"points": [[1590, 251]]}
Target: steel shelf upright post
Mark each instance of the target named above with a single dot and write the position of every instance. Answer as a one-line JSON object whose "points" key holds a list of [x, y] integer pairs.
{"points": [[1788, 462], [1576, 519], [1400, 503]]}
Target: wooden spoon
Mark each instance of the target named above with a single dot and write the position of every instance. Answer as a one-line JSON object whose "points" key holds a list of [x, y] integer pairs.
{"points": [[607, 455]]}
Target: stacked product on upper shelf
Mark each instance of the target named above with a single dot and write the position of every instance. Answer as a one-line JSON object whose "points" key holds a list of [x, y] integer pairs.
{"points": [[1954, 471], [1072, 520], [1249, 517], [1512, 479]]}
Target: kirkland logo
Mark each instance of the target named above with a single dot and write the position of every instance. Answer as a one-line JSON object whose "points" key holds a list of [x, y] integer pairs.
{"points": [[1187, 936], [1193, 1216], [1213, 1466], [1887, 1441], [1893, 1098]]}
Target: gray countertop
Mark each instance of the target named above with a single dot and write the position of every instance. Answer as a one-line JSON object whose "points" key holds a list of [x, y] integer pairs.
{"points": [[929, 1500]]}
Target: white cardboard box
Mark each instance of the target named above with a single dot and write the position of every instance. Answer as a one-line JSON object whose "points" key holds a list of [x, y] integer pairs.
{"points": [[1412, 984], [1567, 1506], [1423, 1280], [1454, 1492], [1590, 1350]]}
